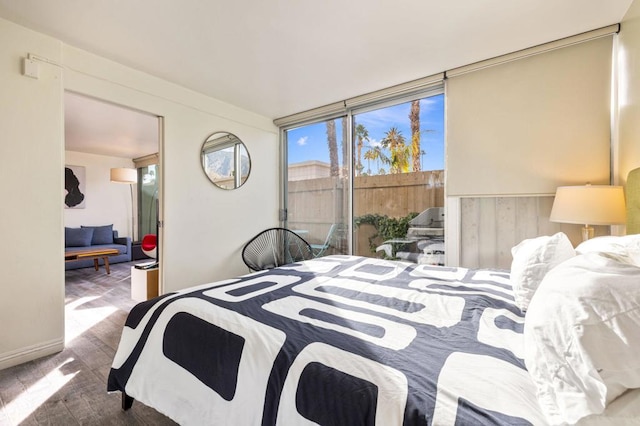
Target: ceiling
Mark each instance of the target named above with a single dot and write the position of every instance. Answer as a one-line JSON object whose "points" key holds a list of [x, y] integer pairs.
{"points": [[279, 57], [96, 127]]}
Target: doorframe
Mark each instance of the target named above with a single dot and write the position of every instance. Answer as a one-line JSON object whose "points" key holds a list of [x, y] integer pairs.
{"points": [[160, 176]]}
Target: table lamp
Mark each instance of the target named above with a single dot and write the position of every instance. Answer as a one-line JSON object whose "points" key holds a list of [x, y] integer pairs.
{"points": [[589, 205]]}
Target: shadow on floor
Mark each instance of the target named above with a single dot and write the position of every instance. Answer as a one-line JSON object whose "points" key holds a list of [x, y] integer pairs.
{"points": [[69, 387]]}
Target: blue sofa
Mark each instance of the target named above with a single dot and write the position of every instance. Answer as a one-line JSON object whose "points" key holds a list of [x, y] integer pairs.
{"points": [[95, 237]]}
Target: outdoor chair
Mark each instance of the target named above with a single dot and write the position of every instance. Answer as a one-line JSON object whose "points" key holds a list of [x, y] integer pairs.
{"points": [[275, 247], [424, 242], [336, 232]]}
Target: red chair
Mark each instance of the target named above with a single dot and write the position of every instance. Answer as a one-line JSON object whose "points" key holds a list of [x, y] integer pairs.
{"points": [[149, 245]]}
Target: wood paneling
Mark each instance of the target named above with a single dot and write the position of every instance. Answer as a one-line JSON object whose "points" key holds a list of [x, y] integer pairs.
{"points": [[491, 226]]}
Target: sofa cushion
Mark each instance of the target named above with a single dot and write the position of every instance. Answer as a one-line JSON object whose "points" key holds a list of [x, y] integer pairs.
{"points": [[101, 234], [77, 237]]}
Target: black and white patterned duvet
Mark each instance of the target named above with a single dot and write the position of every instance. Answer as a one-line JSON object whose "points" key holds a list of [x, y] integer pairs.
{"points": [[333, 341]]}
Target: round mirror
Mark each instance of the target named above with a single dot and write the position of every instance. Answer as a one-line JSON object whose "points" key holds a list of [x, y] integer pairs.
{"points": [[225, 160]]}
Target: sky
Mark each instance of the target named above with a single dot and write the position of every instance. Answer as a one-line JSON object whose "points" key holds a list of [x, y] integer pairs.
{"points": [[310, 142]]}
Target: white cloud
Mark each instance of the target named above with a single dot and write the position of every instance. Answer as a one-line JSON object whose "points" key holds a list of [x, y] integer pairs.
{"points": [[373, 142], [302, 141], [385, 117]]}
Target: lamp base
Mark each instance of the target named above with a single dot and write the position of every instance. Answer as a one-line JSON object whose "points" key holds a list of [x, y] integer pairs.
{"points": [[587, 232]]}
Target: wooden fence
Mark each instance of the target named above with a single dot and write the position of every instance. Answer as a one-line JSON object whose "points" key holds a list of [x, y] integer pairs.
{"points": [[315, 204]]}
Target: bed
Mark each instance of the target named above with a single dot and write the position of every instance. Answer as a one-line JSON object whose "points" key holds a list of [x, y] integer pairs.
{"points": [[345, 340]]}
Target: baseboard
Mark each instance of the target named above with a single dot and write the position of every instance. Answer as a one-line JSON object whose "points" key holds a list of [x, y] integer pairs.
{"points": [[29, 353]]}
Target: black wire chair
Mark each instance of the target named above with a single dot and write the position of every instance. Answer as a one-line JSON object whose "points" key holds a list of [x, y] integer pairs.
{"points": [[275, 247]]}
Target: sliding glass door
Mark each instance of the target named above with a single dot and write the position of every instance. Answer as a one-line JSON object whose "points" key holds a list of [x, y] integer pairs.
{"points": [[371, 172], [147, 200], [318, 184], [399, 173]]}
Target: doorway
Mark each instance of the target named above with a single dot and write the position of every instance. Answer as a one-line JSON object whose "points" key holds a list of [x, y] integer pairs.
{"points": [[101, 137]]}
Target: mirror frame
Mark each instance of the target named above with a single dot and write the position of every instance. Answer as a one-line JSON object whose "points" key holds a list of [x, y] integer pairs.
{"points": [[221, 140]]}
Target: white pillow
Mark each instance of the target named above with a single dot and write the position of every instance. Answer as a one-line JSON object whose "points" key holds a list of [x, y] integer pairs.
{"points": [[532, 259], [582, 336], [626, 246]]}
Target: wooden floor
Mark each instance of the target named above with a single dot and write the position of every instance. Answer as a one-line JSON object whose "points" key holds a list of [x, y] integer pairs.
{"points": [[69, 388]]}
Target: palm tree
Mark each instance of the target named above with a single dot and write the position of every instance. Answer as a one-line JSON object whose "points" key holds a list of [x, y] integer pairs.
{"points": [[333, 148], [370, 155], [362, 135], [414, 116], [375, 153], [395, 142]]}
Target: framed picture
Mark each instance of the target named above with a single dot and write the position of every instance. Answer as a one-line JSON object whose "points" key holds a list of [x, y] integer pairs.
{"points": [[74, 185]]}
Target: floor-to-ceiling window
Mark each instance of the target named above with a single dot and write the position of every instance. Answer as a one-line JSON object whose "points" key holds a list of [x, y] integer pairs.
{"points": [[318, 184], [368, 173], [398, 161]]}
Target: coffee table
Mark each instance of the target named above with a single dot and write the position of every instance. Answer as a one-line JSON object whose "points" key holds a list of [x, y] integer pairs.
{"points": [[91, 253]]}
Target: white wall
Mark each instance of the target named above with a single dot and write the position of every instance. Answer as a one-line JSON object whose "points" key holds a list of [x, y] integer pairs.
{"points": [[31, 190], [105, 202], [204, 227]]}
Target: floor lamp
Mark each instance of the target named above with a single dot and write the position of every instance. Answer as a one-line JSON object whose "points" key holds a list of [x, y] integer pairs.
{"points": [[128, 176]]}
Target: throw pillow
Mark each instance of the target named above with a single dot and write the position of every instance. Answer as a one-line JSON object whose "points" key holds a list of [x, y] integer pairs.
{"points": [[77, 237], [101, 234], [532, 259]]}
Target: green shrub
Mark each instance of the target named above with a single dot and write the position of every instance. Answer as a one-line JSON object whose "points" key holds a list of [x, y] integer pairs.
{"points": [[387, 227]]}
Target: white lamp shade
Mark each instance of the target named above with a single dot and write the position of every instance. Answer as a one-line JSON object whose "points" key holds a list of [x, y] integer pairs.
{"points": [[124, 175], [589, 205]]}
